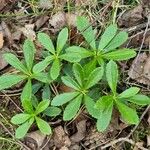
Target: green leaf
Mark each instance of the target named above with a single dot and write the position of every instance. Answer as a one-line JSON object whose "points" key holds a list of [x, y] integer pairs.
{"points": [[15, 62], [117, 41], [128, 114], [46, 94], [68, 81], [86, 30], [79, 52], [43, 126], [122, 54], [52, 111], [8, 80], [45, 40], [27, 105], [27, 91], [94, 77], [89, 67], [70, 57], [139, 99], [29, 51], [43, 77], [105, 105], [108, 35], [55, 69], [72, 108], [78, 73], [90, 106], [22, 130], [129, 92], [112, 75], [42, 106], [20, 118], [62, 39], [39, 67], [64, 98]]}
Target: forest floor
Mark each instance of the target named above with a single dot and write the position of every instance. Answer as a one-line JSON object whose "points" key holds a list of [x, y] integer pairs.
{"points": [[21, 19]]}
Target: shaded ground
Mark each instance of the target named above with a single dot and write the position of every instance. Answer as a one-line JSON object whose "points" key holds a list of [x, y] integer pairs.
{"points": [[21, 19]]}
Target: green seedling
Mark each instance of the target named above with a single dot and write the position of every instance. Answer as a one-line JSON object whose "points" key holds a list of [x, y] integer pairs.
{"points": [[55, 56], [106, 103], [105, 50], [31, 115], [81, 85], [24, 69]]}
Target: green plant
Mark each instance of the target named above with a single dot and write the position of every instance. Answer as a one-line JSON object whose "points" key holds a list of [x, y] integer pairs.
{"points": [[55, 56], [24, 69], [106, 103], [30, 115], [81, 86], [84, 79], [105, 49]]}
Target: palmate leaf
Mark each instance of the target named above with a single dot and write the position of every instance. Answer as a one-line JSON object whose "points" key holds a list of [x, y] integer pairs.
{"points": [[43, 126], [52, 111], [122, 54], [27, 91], [72, 108], [70, 57], [94, 77], [128, 114], [15, 62], [78, 52], [86, 30], [139, 99], [105, 105], [43, 77], [29, 51], [20, 118], [78, 73], [27, 106], [62, 39], [8, 80], [64, 98], [39, 67], [55, 69], [46, 94], [22, 130], [117, 41], [90, 106], [129, 92], [45, 40], [68, 81], [108, 35], [42, 106], [112, 75]]}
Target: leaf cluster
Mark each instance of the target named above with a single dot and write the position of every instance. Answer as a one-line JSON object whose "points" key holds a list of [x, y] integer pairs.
{"points": [[89, 66]]}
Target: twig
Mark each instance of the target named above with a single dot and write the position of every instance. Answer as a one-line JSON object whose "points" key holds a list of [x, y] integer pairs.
{"points": [[125, 140], [19, 142], [142, 116]]}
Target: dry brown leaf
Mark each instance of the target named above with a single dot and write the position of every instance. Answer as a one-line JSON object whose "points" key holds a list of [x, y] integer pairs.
{"points": [[58, 21], [60, 138], [140, 69], [45, 4], [28, 31], [3, 63], [3, 3], [35, 140], [6, 33], [81, 127], [132, 17], [1, 40], [41, 21]]}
